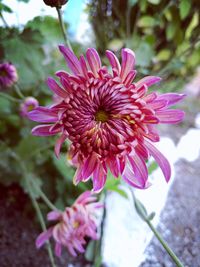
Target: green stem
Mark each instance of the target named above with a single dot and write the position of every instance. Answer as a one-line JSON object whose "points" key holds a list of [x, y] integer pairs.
{"points": [[165, 245], [40, 217], [141, 210], [18, 91], [62, 26], [11, 98]]}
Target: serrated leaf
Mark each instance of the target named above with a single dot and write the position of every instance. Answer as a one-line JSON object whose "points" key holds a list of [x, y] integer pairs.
{"points": [[48, 26], [185, 6]]}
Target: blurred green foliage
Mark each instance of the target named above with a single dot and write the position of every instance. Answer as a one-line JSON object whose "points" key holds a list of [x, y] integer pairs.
{"points": [[165, 35]]}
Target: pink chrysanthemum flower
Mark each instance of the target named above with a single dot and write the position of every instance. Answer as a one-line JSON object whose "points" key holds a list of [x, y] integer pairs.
{"points": [[109, 120], [74, 224], [29, 104], [8, 75]]}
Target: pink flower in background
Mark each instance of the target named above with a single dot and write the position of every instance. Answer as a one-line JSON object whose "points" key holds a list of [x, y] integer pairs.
{"points": [[74, 224], [29, 104], [109, 119], [8, 75]]}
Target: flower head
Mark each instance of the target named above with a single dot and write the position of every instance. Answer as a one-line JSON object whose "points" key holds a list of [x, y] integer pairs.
{"points": [[109, 119], [29, 104], [55, 3], [74, 224], [8, 75]]}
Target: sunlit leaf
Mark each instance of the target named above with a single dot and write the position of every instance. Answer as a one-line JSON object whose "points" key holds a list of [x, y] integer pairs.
{"points": [[185, 6]]}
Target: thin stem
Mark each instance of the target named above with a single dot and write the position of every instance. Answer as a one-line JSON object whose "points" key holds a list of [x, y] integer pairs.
{"points": [[165, 245], [40, 217], [62, 26], [11, 98], [4, 21], [46, 200], [145, 217], [18, 91]]}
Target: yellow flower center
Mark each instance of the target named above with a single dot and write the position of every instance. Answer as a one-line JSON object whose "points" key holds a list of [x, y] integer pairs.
{"points": [[75, 224], [102, 116]]}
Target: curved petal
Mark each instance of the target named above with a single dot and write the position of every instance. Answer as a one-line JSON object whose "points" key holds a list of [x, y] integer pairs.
{"points": [[171, 116], [43, 237], [93, 60], [148, 80], [56, 88], [160, 159], [128, 62], [139, 168], [114, 62], [54, 215], [58, 144], [44, 130], [72, 60], [89, 166], [99, 178], [43, 114], [171, 98]]}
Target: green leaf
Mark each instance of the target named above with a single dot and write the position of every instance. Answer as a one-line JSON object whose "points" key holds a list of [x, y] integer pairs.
{"points": [[193, 24], [5, 106], [144, 54], [5, 8], [153, 166], [185, 6], [25, 51], [171, 30], [147, 21], [154, 2], [49, 28], [164, 55]]}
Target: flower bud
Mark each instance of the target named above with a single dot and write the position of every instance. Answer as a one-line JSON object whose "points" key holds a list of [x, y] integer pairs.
{"points": [[8, 75], [55, 3], [29, 104]]}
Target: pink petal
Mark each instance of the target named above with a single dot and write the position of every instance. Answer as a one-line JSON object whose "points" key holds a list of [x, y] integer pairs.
{"points": [[59, 143], [54, 215], [157, 104], [130, 77], [72, 60], [56, 88], [128, 62], [139, 168], [99, 178], [89, 166], [129, 177], [43, 237], [113, 61], [170, 116], [43, 114], [160, 159], [113, 166], [58, 249], [148, 80], [171, 98], [83, 197], [93, 60], [43, 130]]}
